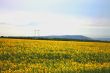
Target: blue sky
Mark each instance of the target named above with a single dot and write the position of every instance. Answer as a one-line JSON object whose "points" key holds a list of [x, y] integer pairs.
{"points": [[55, 17], [92, 8]]}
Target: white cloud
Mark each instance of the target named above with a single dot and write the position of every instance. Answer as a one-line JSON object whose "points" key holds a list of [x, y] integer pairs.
{"points": [[31, 3], [101, 22], [24, 23]]}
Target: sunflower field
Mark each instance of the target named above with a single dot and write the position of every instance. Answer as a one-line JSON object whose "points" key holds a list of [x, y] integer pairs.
{"points": [[48, 56]]}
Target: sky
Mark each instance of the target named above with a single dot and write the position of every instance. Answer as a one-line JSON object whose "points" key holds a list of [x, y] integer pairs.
{"points": [[55, 17]]}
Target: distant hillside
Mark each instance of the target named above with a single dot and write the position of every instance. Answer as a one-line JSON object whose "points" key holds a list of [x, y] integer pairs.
{"points": [[76, 37], [103, 39], [61, 37]]}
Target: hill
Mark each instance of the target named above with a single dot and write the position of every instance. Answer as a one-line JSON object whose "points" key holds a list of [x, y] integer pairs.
{"points": [[72, 37]]}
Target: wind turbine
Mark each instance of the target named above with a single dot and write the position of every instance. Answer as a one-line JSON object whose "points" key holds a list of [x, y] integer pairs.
{"points": [[37, 32]]}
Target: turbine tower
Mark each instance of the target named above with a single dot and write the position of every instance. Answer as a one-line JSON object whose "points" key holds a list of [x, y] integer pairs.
{"points": [[37, 32]]}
